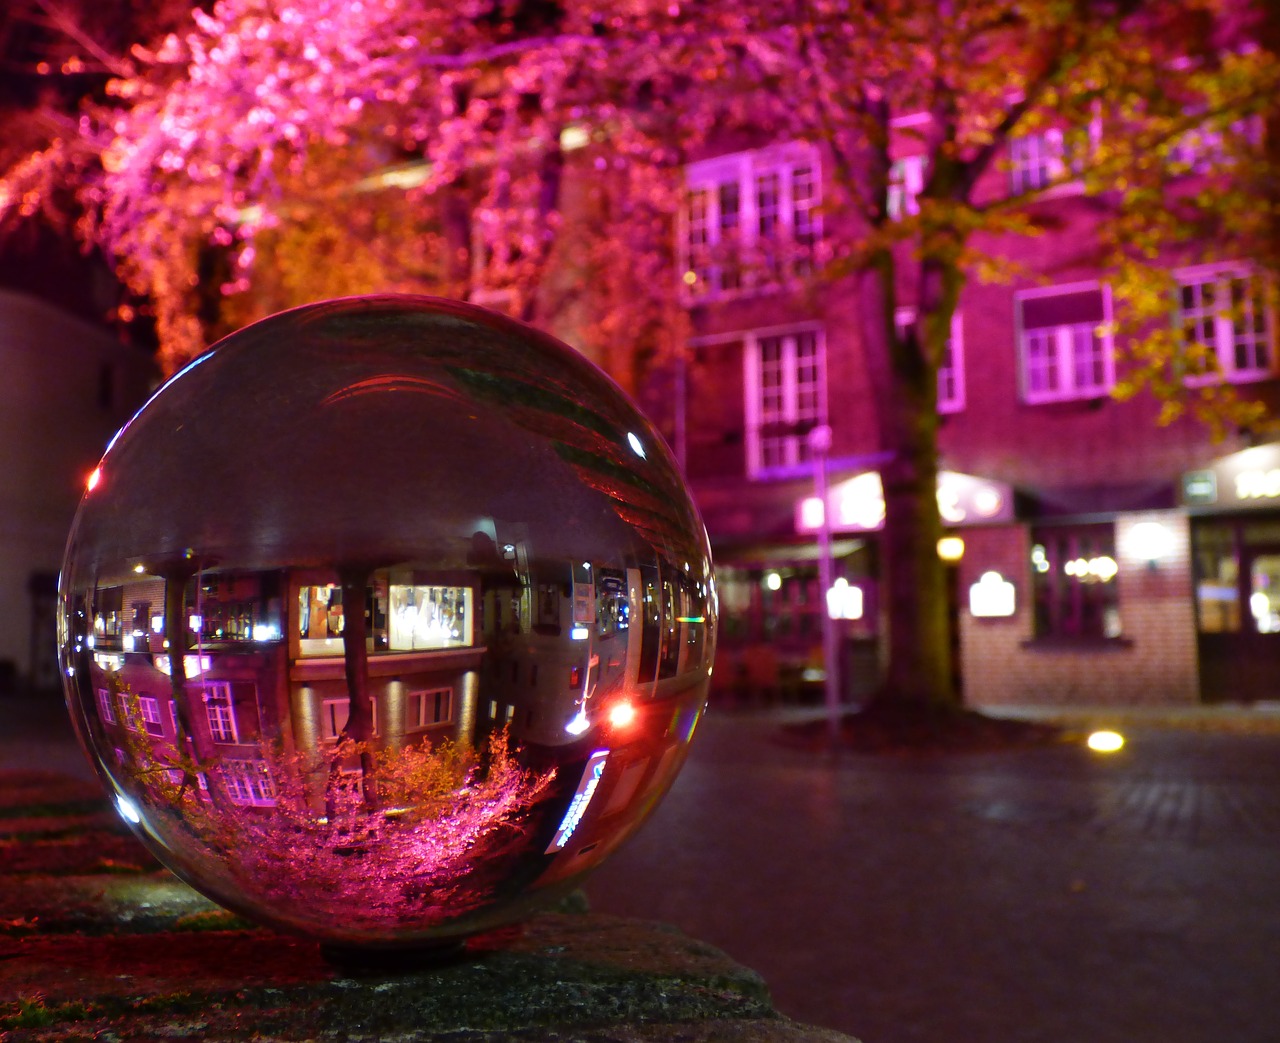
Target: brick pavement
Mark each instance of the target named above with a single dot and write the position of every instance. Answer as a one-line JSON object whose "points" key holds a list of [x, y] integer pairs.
{"points": [[1036, 896]]}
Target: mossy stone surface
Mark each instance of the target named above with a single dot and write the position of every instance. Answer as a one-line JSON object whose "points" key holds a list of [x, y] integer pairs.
{"points": [[99, 943]]}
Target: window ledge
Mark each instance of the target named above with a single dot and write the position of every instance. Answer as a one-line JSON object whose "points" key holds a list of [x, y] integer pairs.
{"points": [[1077, 644]]}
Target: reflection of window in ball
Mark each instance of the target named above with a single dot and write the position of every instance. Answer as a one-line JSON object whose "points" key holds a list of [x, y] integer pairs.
{"points": [[446, 633]]}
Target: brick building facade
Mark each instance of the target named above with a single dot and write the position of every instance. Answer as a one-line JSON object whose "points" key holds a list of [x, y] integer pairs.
{"points": [[1132, 582]]}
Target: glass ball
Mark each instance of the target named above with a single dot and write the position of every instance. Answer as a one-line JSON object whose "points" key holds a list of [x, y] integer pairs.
{"points": [[386, 620]]}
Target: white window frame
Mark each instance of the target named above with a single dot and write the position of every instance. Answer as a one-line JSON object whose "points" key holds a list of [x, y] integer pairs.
{"points": [[951, 387], [906, 182], [1035, 161], [1062, 341], [219, 705], [724, 270], [792, 408], [1038, 161], [149, 711], [1202, 148], [1225, 327], [105, 710], [248, 782], [416, 704], [334, 714]]}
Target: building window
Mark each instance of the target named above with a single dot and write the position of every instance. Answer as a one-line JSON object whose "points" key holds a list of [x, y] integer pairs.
{"points": [[149, 710], [751, 219], [426, 708], [221, 711], [402, 614], [424, 617], [249, 782], [1045, 158], [1035, 161], [950, 366], [1225, 324], [906, 182], [105, 710], [1065, 343], [334, 714], [1205, 148], [1073, 574], [786, 397]]}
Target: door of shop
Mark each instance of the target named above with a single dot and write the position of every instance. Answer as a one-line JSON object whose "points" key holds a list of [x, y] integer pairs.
{"points": [[1238, 602]]}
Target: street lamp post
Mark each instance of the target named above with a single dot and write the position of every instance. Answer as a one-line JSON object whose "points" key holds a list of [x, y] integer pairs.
{"points": [[820, 446]]}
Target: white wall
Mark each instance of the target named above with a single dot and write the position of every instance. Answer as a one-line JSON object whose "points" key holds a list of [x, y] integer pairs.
{"points": [[54, 424]]}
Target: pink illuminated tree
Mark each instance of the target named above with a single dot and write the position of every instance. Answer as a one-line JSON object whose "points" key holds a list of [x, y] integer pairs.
{"points": [[271, 153]]}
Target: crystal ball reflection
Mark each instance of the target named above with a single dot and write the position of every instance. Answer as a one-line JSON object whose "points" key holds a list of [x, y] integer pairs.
{"points": [[386, 620]]}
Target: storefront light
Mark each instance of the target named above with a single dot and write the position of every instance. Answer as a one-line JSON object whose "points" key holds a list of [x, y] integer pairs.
{"points": [[1102, 568], [844, 600], [1151, 542], [773, 581], [992, 596], [951, 548]]}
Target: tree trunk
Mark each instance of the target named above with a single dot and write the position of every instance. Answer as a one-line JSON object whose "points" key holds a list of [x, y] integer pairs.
{"points": [[919, 668], [355, 655], [192, 715]]}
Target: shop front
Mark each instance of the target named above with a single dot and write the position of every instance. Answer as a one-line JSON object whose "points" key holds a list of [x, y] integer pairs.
{"points": [[1235, 532]]}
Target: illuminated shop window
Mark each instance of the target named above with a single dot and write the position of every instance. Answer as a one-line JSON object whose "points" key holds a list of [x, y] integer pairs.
{"points": [[423, 617], [1073, 580], [1065, 342], [1225, 323], [403, 617], [786, 397], [108, 618], [1216, 556], [320, 619], [426, 708], [751, 219], [950, 366]]}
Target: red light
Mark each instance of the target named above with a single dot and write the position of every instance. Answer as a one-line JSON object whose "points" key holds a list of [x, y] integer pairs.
{"points": [[622, 714], [95, 477]]}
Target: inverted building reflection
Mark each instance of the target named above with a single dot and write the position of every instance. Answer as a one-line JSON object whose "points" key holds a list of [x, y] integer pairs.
{"points": [[400, 734]]}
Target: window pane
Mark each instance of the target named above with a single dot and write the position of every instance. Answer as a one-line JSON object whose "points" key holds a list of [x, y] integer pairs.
{"points": [[1063, 309], [1040, 351], [767, 204], [1074, 582]]}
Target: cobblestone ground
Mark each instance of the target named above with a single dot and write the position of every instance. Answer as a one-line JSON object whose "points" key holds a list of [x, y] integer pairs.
{"points": [[1047, 895]]}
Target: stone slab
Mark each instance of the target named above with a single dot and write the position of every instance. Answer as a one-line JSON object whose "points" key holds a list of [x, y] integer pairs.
{"points": [[99, 943]]}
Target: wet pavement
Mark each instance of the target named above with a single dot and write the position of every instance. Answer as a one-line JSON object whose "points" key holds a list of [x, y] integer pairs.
{"points": [[1048, 895]]}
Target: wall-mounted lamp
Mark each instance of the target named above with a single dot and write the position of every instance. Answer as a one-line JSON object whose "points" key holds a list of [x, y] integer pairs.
{"points": [[951, 549], [992, 596], [844, 600], [1151, 541]]}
